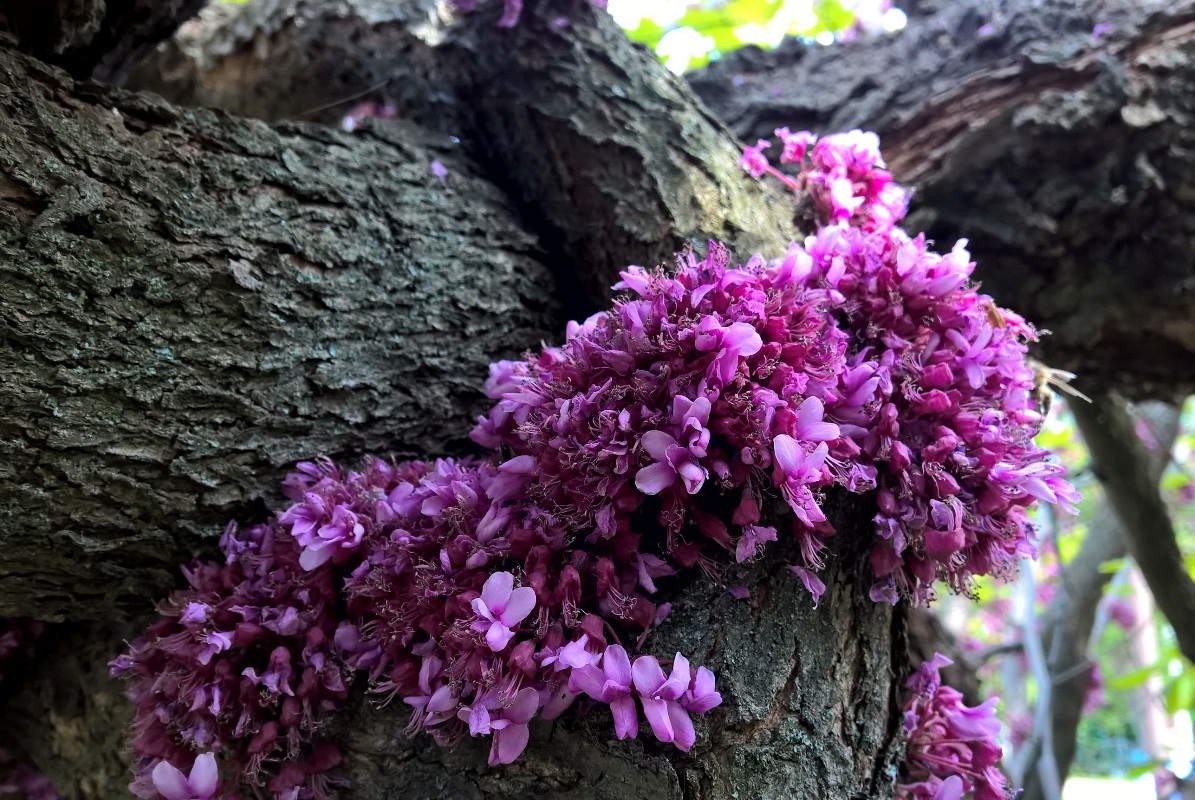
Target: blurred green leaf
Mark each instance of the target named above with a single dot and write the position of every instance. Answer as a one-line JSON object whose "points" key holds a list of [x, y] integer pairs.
{"points": [[1180, 694], [648, 32], [1113, 566], [1135, 679], [832, 16]]}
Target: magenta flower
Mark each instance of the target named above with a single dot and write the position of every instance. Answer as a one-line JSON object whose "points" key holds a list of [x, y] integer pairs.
{"points": [[753, 536], [671, 461], [505, 721], [795, 146], [754, 161], [812, 583], [951, 789], [320, 542], [501, 608], [659, 695], [796, 468], [200, 784], [610, 683], [701, 696]]}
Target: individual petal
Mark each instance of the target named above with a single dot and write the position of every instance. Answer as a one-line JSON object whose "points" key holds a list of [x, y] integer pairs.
{"points": [[693, 475], [626, 720], [678, 682], [656, 443], [655, 478], [315, 555], [647, 675], [790, 457], [656, 712], [523, 707], [951, 789], [509, 744], [590, 680], [683, 735], [496, 591], [742, 338], [498, 636], [616, 664], [520, 604], [170, 783], [205, 776]]}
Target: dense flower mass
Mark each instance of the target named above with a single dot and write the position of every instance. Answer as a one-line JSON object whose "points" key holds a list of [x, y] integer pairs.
{"points": [[485, 593], [952, 748]]}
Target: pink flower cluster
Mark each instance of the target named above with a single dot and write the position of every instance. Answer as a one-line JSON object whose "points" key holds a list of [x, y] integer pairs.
{"points": [[485, 593], [952, 748], [242, 662], [936, 393]]}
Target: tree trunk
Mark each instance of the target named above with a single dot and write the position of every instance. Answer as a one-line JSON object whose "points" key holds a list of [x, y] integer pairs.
{"points": [[195, 302]]}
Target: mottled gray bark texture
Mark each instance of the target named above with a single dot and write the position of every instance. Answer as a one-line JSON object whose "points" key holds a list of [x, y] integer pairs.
{"points": [[611, 156], [1066, 158], [195, 301], [192, 303]]}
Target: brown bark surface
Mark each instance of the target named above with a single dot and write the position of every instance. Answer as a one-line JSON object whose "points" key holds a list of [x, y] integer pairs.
{"points": [[612, 158], [1064, 157]]}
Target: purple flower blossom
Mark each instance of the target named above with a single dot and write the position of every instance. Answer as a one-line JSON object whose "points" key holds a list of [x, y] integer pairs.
{"points": [[951, 748], [659, 696], [503, 607], [671, 462], [200, 784], [506, 720], [754, 161], [611, 683], [859, 360]]}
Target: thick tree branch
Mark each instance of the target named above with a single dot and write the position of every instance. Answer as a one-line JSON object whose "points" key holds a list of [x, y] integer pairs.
{"points": [[612, 157], [193, 303], [1065, 157], [1116, 453]]}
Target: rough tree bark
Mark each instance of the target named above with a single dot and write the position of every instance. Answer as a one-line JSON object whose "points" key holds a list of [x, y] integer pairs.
{"points": [[195, 301], [1066, 158], [192, 303]]}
